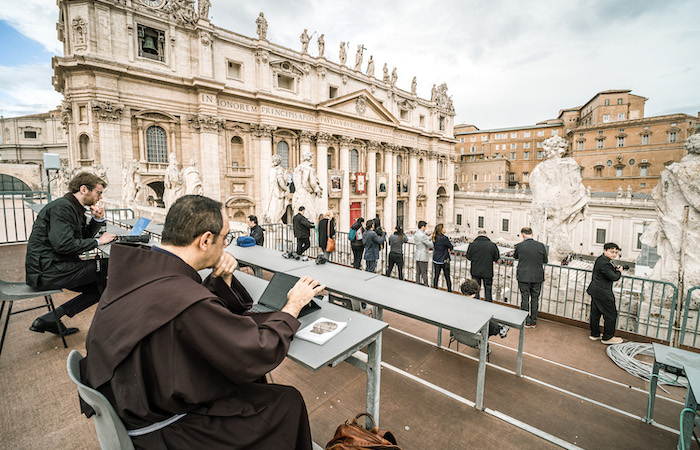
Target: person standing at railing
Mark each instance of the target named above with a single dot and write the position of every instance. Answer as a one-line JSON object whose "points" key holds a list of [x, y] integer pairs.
{"points": [[441, 256], [483, 253], [355, 236], [532, 256], [396, 242], [372, 241], [605, 273], [423, 245], [326, 229], [301, 231], [256, 231]]}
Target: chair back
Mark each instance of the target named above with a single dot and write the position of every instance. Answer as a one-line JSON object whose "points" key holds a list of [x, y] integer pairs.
{"points": [[110, 430]]}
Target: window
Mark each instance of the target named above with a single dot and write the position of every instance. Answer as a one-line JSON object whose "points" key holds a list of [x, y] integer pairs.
{"points": [[30, 134], [526, 175], [639, 241], [441, 123], [513, 146], [504, 225], [500, 177], [514, 135], [539, 144], [461, 140], [599, 143], [459, 219], [579, 145], [512, 156], [283, 151], [472, 149], [285, 82], [421, 120], [672, 136], [607, 102], [646, 139], [441, 169], [476, 177], [237, 152], [151, 43], [606, 118], [620, 116], [10, 183], [420, 168], [354, 159], [644, 171], [526, 134], [539, 154], [632, 161], [619, 101], [555, 132], [84, 142], [234, 70], [526, 155], [621, 141], [608, 162], [332, 91], [83, 114], [600, 235], [472, 139], [480, 221], [404, 116], [495, 155], [618, 171], [642, 185], [472, 157], [540, 133], [399, 163], [599, 171], [484, 138], [156, 145]]}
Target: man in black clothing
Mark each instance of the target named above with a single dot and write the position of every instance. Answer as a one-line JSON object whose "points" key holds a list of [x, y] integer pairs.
{"points": [[602, 298], [256, 231], [532, 255], [483, 253], [60, 234], [358, 248], [302, 225]]}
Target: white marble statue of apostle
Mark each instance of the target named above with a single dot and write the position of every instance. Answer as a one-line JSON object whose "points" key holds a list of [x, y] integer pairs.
{"points": [[343, 55], [674, 237], [192, 179], [386, 73], [394, 77], [358, 58], [131, 183], [261, 23], [321, 45], [279, 193], [173, 183], [307, 187], [414, 86], [370, 66], [558, 194], [305, 39]]}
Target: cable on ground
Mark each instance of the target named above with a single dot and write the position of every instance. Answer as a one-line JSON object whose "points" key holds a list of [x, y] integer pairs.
{"points": [[624, 356]]}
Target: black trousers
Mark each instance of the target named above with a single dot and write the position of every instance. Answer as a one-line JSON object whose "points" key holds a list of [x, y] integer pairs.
{"points": [[606, 308], [90, 281], [357, 252], [530, 300], [488, 283], [445, 268], [302, 245], [395, 259]]}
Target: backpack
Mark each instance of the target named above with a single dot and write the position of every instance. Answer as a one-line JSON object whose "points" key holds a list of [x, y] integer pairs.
{"points": [[245, 241], [358, 234], [352, 234]]}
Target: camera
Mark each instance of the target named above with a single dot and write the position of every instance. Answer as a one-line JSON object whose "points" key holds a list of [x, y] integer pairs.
{"points": [[320, 259], [144, 238], [625, 267]]}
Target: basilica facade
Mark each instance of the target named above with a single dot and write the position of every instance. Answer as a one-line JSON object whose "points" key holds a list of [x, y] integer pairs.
{"points": [[154, 81]]}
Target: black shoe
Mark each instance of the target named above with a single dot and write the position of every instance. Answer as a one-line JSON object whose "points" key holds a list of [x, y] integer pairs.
{"points": [[40, 325]]}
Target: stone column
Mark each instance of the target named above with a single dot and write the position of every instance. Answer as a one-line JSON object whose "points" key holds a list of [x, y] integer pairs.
{"points": [[344, 210], [431, 189], [450, 205], [388, 221], [211, 168], [411, 221], [108, 116], [372, 149], [262, 134], [322, 140]]}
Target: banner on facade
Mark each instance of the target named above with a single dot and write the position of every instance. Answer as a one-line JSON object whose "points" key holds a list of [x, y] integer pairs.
{"points": [[404, 183], [335, 180], [360, 182], [382, 184]]}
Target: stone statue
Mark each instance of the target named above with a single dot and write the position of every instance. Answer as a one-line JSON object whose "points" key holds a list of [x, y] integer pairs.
{"points": [[279, 193], [192, 179], [358, 58], [321, 45], [370, 66], [677, 241], [433, 94], [131, 183], [558, 198], [204, 9], [261, 22], [628, 191], [173, 183], [307, 187], [414, 86], [343, 54], [304, 38], [394, 77], [386, 73]]}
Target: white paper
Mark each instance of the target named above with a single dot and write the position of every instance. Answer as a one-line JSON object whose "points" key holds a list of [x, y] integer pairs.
{"points": [[321, 330]]}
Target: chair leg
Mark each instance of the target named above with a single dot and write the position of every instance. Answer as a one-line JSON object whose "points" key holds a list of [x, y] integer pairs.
{"points": [[49, 301], [7, 320]]}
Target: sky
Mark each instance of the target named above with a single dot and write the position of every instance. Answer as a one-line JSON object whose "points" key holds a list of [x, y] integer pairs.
{"points": [[506, 62]]}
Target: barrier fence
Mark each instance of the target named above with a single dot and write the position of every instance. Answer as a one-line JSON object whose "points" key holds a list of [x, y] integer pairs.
{"points": [[16, 218]]}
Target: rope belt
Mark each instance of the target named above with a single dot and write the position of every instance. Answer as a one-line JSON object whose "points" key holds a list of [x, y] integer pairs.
{"points": [[155, 426]]}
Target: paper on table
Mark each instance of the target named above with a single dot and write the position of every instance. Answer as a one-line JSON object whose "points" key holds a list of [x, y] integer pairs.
{"points": [[321, 330]]}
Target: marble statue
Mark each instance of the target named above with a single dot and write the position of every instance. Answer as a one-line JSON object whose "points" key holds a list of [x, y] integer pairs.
{"points": [[304, 38], [358, 58], [675, 236], [307, 187], [343, 54], [321, 45], [386, 73], [394, 77], [261, 22], [370, 66], [559, 200], [279, 193], [433, 94], [131, 183], [204, 6], [414, 86], [192, 179], [173, 183]]}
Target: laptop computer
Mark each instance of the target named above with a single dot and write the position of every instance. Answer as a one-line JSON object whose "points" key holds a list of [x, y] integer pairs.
{"points": [[275, 295], [139, 226]]}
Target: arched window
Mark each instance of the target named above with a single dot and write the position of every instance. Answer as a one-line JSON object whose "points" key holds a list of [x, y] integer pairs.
{"points": [[10, 183], [283, 151], [156, 145], [237, 152], [420, 167], [440, 169], [84, 142], [354, 158], [379, 162], [331, 157], [399, 162]]}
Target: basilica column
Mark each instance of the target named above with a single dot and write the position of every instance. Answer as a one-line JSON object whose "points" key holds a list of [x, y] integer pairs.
{"points": [[208, 128], [262, 139], [411, 223], [388, 222], [108, 151], [372, 149], [431, 189], [449, 206], [344, 210], [322, 140]]}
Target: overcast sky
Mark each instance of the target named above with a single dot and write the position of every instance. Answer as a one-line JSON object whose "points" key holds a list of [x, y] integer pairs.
{"points": [[506, 62]]}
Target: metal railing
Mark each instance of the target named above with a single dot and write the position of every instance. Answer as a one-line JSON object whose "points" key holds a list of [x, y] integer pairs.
{"points": [[690, 327], [16, 219]]}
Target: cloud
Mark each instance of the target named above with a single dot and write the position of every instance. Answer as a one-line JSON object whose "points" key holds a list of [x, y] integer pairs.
{"points": [[27, 90], [35, 20]]}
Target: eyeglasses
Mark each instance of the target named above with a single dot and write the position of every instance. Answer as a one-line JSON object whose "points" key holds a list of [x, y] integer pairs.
{"points": [[228, 239]]}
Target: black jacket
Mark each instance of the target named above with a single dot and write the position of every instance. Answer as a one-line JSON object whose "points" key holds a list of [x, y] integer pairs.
{"points": [[604, 274], [258, 234], [441, 249], [59, 235], [532, 255], [357, 242], [482, 253], [323, 232], [301, 226]]}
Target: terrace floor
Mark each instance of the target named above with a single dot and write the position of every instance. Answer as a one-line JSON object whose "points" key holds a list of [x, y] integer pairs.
{"points": [[571, 395]]}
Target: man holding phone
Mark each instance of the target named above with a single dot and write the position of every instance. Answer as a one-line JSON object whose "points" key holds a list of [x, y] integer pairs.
{"points": [[605, 273]]}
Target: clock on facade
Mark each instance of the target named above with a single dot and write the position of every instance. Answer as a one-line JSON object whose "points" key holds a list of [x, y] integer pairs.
{"points": [[153, 3]]}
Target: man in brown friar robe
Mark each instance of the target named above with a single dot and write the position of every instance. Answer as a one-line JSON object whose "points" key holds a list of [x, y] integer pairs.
{"points": [[181, 360]]}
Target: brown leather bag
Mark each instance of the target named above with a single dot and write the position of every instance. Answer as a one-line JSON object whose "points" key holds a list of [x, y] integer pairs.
{"points": [[351, 436], [330, 243]]}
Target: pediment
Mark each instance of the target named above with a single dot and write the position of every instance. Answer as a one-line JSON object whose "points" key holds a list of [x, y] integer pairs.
{"points": [[159, 116], [286, 66], [361, 104]]}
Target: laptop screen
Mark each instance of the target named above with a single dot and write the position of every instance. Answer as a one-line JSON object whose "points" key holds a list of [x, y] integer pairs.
{"points": [[139, 227], [275, 295]]}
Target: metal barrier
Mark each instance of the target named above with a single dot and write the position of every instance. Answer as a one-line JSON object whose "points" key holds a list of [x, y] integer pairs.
{"points": [[117, 214], [16, 218], [689, 334]]}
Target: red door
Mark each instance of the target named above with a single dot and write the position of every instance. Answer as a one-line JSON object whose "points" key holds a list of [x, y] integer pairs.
{"points": [[355, 211]]}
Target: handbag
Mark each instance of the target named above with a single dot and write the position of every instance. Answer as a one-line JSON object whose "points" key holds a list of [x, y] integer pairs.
{"points": [[330, 243], [351, 436]]}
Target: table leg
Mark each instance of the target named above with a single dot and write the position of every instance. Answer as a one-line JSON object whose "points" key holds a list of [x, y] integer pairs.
{"points": [[652, 391], [519, 366], [483, 350], [439, 337], [258, 271], [688, 421], [374, 366]]}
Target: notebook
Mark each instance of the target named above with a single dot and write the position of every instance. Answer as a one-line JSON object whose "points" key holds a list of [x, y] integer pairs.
{"points": [[275, 295], [139, 226]]}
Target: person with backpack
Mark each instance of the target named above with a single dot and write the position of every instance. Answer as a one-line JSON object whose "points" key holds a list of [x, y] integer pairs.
{"points": [[441, 256], [396, 242], [355, 236], [372, 241], [326, 230]]}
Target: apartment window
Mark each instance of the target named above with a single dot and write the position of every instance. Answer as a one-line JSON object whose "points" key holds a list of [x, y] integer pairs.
{"points": [[620, 116], [526, 175], [526, 155], [472, 149], [619, 101], [234, 70], [646, 139], [472, 139], [643, 171], [599, 143], [500, 177], [505, 224], [621, 141], [526, 134], [156, 145], [600, 235], [618, 171], [526, 145], [672, 136], [539, 144], [459, 219], [598, 171], [30, 134], [539, 154], [512, 156], [606, 118], [472, 157], [484, 138], [607, 102], [540, 133], [513, 146], [461, 140], [514, 135], [579, 145], [642, 185], [480, 221], [555, 132]]}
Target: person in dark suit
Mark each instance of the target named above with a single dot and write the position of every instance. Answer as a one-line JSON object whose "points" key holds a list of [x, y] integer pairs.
{"points": [[532, 255], [483, 253], [256, 231], [301, 226], [602, 298]]}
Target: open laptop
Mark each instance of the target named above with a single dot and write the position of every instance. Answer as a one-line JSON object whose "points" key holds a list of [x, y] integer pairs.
{"points": [[275, 295], [139, 227]]}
